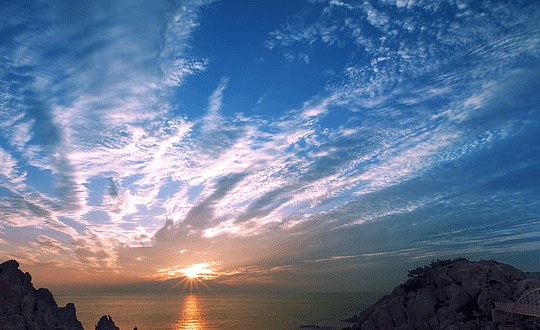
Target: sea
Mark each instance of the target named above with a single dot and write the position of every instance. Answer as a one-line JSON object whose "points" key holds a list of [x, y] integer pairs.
{"points": [[223, 311]]}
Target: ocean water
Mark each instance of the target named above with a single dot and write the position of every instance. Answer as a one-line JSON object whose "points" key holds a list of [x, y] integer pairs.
{"points": [[224, 311]]}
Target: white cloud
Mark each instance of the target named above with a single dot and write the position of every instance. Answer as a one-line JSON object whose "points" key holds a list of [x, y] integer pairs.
{"points": [[212, 120], [88, 112], [7, 165]]}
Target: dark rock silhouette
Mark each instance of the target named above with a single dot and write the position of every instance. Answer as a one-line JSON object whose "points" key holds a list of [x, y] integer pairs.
{"points": [[24, 307], [451, 294], [106, 323], [352, 319]]}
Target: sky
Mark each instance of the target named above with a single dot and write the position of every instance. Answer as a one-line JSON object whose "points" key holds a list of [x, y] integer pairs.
{"points": [[320, 144]]}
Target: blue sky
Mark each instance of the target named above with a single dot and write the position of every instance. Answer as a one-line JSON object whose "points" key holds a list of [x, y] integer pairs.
{"points": [[300, 143]]}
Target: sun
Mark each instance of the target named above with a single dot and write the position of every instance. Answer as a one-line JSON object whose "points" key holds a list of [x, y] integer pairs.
{"points": [[198, 271], [194, 277]]}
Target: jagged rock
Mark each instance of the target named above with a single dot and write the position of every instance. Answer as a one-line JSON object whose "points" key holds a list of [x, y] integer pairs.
{"points": [[452, 294], [22, 307], [106, 323]]}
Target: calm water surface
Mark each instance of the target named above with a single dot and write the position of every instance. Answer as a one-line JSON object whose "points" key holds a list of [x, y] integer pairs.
{"points": [[224, 311]]}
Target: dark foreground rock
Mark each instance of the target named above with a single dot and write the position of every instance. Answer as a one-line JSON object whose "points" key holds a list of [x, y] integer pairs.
{"points": [[453, 295], [106, 323], [24, 307]]}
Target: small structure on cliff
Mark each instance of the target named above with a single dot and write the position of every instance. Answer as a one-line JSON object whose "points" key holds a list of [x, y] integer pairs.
{"points": [[510, 314]]}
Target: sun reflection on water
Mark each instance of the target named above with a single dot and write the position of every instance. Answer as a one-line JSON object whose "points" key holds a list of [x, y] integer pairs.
{"points": [[191, 317]]}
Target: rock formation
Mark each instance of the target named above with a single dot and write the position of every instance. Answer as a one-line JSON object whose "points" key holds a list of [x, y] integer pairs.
{"points": [[24, 307], [452, 294], [106, 323]]}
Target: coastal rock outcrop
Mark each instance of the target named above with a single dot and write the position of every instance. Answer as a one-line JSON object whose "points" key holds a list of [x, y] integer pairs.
{"points": [[106, 323], [451, 294], [24, 307]]}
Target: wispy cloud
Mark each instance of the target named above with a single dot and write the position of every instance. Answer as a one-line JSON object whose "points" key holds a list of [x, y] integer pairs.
{"points": [[76, 98], [49, 245], [126, 177]]}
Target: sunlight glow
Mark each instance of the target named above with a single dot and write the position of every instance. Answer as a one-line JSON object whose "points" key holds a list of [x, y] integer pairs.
{"points": [[191, 317], [198, 271]]}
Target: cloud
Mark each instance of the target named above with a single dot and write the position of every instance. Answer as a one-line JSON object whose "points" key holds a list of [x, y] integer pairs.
{"points": [[49, 245], [215, 103], [18, 211], [97, 259], [254, 274], [217, 133], [505, 101], [118, 200], [80, 83], [367, 256], [390, 52], [477, 239], [424, 117], [363, 161], [8, 168], [204, 210]]}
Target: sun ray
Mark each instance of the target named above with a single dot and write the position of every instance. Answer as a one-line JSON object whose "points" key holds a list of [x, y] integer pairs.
{"points": [[191, 278]]}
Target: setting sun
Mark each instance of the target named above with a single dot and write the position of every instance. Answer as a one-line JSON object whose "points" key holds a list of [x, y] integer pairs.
{"points": [[198, 271]]}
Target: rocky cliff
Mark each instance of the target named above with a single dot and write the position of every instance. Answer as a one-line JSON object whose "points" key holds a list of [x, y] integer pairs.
{"points": [[24, 307], [451, 294]]}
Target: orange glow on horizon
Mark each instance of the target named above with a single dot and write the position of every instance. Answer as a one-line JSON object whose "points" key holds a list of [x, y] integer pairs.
{"points": [[192, 276], [198, 271], [194, 272]]}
